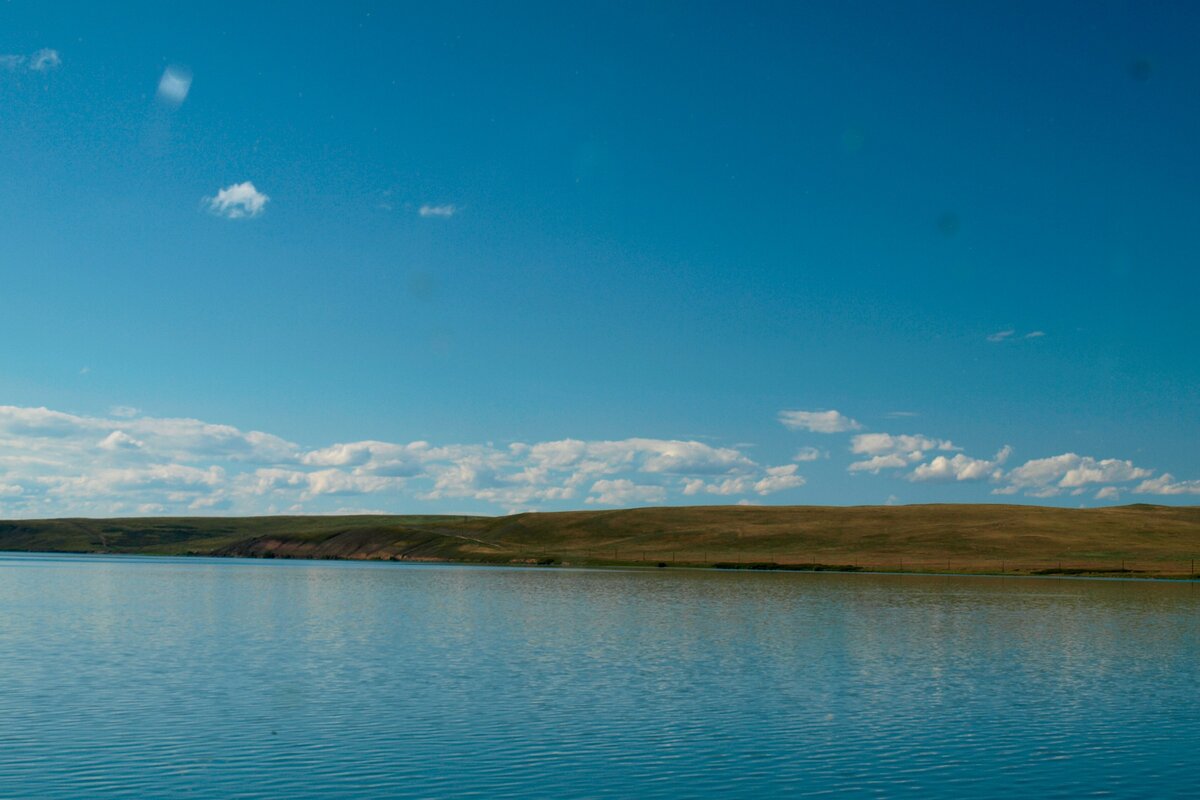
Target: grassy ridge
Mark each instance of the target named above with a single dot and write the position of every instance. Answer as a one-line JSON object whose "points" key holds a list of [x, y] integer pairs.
{"points": [[985, 538]]}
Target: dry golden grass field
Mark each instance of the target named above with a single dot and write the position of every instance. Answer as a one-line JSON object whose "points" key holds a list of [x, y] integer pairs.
{"points": [[1145, 540]]}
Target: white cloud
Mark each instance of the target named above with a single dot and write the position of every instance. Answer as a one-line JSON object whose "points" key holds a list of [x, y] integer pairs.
{"points": [[872, 444], [901, 414], [729, 486], [44, 59], [447, 210], [174, 481], [1166, 484], [675, 457], [777, 479], [960, 467], [119, 440], [174, 85], [1089, 470], [622, 492], [877, 463], [238, 201], [1108, 493], [807, 454], [124, 412], [337, 482], [68, 464], [57, 435], [41, 61], [1048, 477], [888, 451], [667, 456], [818, 421], [54, 463], [1011, 335], [372, 457]]}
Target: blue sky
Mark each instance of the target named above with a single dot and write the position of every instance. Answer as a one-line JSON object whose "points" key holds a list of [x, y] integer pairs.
{"points": [[482, 258]]}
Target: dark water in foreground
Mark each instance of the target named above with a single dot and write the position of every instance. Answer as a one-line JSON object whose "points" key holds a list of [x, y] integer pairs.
{"points": [[135, 677]]}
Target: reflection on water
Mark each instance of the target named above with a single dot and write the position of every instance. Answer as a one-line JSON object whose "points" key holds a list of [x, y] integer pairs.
{"points": [[131, 677]]}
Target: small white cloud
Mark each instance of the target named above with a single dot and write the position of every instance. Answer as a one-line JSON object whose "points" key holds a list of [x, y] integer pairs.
{"points": [[818, 421], [448, 210], [1011, 334], [174, 85], [44, 59], [892, 500], [779, 478], [901, 414], [238, 201], [1108, 493], [124, 412], [119, 440], [807, 454], [877, 463], [872, 444]]}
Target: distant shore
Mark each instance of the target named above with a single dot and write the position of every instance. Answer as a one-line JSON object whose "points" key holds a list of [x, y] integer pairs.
{"points": [[1125, 541]]}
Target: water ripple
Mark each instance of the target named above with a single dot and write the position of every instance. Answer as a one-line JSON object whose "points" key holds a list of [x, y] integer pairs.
{"points": [[134, 678]]}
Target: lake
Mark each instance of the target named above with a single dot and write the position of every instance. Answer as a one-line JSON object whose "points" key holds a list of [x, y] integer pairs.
{"points": [[208, 678]]}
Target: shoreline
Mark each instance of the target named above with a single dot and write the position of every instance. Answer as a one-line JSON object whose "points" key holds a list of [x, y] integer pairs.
{"points": [[750, 568], [1138, 541]]}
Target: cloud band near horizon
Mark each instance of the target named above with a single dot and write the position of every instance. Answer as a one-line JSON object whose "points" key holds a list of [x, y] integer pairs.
{"points": [[59, 464]]}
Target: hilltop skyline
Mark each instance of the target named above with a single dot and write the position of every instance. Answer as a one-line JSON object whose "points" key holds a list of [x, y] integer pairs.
{"points": [[483, 260]]}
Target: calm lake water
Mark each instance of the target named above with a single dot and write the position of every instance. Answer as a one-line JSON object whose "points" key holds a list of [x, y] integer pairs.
{"points": [[156, 677]]}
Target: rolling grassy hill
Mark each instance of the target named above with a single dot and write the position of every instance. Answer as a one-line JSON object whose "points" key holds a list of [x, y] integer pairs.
{"points": [[1140, 539]]}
